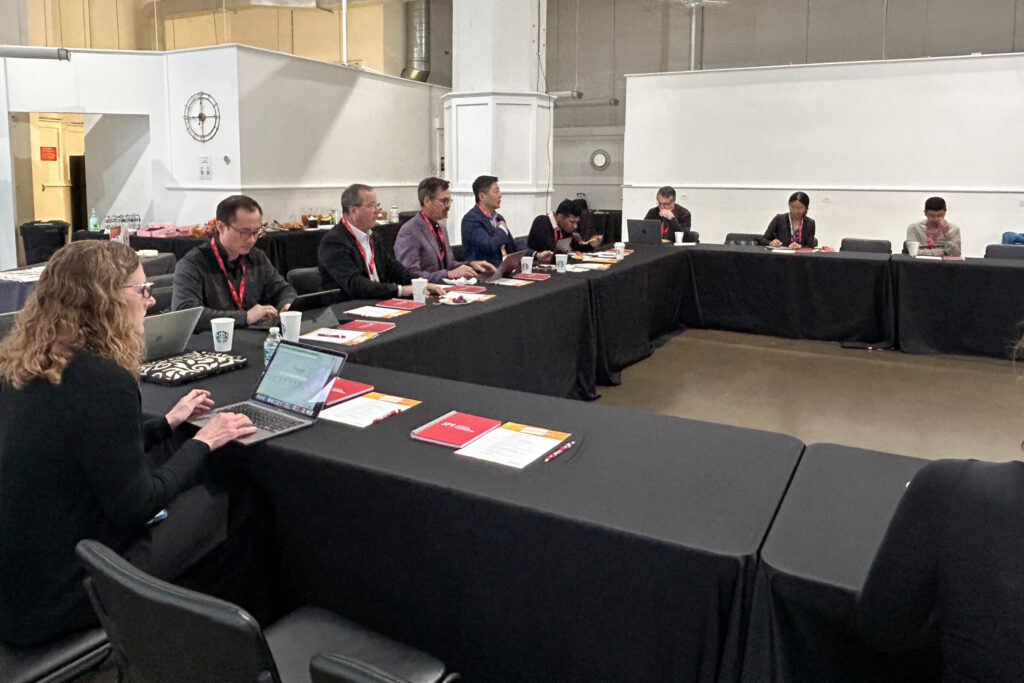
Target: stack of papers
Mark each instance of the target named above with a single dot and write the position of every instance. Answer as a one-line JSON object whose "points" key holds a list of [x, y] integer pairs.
{"points": [[363, 411], [401, 304], [509, 282], [513, 445], [367, 326], [375, 312], [337, 336]]}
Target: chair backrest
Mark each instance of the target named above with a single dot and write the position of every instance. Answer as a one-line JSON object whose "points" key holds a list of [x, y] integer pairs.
{"points": [[64, 659], [748, 238], [162, 280], [42, 238], [305, 280], [874, 246], [162, 633], [7, 323], [458, 252], [1004, 251], [163, 296]]}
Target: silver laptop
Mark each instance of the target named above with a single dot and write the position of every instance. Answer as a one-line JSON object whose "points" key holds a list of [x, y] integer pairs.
{"points": [[291, 392], [167, 333], [508, 266], [644, 231]]}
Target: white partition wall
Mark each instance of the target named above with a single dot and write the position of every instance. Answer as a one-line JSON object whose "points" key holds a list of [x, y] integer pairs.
{"points": [[869, 141]]}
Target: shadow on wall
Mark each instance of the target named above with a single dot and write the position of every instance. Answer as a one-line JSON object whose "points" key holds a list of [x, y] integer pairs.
{"points": [[115, 144]]}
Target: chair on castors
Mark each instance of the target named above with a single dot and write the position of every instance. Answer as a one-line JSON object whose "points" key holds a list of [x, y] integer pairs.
{"points": [[744, 238], [163, 633], [873, 246], [42, 238], [1004, 251], [64, 659], [305, 280]]}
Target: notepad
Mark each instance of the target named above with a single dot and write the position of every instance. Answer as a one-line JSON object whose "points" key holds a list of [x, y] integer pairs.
{"points": [[344, 389], [513, 444], [367, 326], [375, 312], [509, 282], [532, 276], [401, 304], [336, 336], [454, 429], [363, 411]]}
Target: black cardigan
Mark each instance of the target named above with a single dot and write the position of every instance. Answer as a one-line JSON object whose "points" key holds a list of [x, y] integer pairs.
{"points": [[778, 229]]}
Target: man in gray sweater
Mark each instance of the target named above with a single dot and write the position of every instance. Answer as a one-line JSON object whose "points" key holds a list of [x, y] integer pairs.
{"points": [[934, 234]]}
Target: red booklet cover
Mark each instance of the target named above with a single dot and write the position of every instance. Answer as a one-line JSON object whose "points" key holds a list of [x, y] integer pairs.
{"points": [[344, 389], [454, 429], [404, 304], [468, 289], [367, 326], [532, 276]]}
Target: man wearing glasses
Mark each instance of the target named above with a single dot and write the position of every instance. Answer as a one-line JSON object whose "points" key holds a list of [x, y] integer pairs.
{"points": [[354, 260], [228, 275], [422, 244]]}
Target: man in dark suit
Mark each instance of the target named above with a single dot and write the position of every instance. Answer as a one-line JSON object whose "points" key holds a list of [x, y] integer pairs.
{"points": [[674, 218], [422, 244], [354, 260], [485, 235]]}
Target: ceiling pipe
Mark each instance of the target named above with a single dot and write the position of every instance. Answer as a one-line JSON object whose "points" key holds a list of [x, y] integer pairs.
{"points": [[417, 40], [26, 52]]}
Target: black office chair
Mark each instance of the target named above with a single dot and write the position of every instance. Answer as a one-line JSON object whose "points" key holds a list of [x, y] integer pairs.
{"points": [[42, 238], [7, 323], [458, 252], [64, 659], [1004, 251], [162, 633], [305, 280], [165, 280], [744, 238], [873, 246], [333, 668], [904, 247]]}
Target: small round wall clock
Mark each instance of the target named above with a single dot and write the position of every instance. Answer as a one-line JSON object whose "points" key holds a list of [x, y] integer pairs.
{"points": [[202, 116]]}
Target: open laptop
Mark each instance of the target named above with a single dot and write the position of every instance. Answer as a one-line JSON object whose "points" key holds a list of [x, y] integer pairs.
{"points": [[290, 393], [508, 266], [167, 334], [643, 231]]}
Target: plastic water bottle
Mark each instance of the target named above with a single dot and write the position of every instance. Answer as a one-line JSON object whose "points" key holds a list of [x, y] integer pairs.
{"points": [[94, 221], [270, 346]]}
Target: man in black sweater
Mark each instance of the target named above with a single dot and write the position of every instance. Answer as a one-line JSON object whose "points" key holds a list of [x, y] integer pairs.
{"points": [[549, 228], [674, 218]]}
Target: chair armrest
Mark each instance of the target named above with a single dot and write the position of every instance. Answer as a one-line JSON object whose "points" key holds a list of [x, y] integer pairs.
{"points": [[338, 668]]}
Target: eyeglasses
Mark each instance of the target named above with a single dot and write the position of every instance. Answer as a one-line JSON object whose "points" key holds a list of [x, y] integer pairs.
{"points": [[374, 207], [447, 201], [145, 289], [250, 234]]}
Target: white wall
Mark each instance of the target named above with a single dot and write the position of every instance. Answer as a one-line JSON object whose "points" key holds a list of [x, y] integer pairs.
{"points": [[869, 141], [573, 172], [119, 169], [8, 217]]}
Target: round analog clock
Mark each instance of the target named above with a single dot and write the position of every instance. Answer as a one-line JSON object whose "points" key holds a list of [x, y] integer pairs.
{"points": [[202, 116], [600, 159]]}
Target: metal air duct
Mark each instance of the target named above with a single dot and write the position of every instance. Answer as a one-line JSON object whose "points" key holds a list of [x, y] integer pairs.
{"points": [[417, 40]]}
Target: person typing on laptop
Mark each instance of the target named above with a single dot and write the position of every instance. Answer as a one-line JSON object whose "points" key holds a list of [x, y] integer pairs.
{"points": [[355, 261], [228, 275], [674, 218], [78, 460], [549, 229]]}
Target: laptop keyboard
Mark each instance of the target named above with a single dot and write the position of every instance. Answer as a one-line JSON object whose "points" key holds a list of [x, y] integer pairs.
{"points": [[267, 420]]}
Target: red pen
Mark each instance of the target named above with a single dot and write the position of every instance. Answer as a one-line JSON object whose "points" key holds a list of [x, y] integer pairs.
{"points": [[384, 417], [561, 450]]}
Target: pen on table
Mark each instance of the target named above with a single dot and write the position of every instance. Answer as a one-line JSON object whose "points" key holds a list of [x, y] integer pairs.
{"points": [[384, 417], [561, 450]]}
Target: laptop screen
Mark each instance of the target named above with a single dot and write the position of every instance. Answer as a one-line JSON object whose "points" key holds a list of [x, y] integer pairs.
{"points": [[298, 377]]}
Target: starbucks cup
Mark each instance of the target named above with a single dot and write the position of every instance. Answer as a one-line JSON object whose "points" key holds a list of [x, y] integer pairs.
{"points": [[561, 261], [912, 248], [291, 323], [620, 250], [419, 289], [223, 333], [527, 264]]}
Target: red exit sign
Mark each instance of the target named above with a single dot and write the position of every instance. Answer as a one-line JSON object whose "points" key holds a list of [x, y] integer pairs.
{"points": [[48, 154]]}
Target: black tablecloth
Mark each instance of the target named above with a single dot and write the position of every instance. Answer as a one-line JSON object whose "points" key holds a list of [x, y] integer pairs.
{"points": [[630, 558], [832, 296], [813, 563], [966, 307], [634, 302]]}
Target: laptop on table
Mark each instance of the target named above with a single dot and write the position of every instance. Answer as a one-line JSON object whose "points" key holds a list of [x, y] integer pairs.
{"points": [[167, 334], [644, 231], [289, 394], [508, 266]]}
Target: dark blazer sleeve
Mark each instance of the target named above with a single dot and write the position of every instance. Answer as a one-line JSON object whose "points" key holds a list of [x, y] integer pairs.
{"points": [[778, 229], [342, 267], [480, 242], [389, 268], [680, 221], [542, 236], [807, 236], [895, 607]]}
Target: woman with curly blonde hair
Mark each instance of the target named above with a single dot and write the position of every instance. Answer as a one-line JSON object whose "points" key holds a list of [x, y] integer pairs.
{"points": [[73, 445]]}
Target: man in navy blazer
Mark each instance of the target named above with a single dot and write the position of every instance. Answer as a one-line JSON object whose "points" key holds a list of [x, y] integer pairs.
{"points": [[484, 231], [422, 244]]}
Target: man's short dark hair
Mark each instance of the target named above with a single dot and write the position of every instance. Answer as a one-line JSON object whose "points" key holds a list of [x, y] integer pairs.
{"points": [[482, 184], [352, 196], [568, 207], [429, 187], [935, 204], [668, 191], [227, 208]]}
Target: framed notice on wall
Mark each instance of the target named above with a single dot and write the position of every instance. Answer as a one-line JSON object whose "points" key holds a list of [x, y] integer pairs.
{"points": [[48, 154]]}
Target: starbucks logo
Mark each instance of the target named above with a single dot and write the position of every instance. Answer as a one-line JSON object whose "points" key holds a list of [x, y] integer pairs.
{"points": [[221, 337]]}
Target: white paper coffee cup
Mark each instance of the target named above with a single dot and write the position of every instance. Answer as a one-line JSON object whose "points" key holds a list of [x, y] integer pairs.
{"points": [[527, 264], [419, 289], [223, 333], [291, 323], [620, 250], [679, 238], [561, 261], [912, 248]]}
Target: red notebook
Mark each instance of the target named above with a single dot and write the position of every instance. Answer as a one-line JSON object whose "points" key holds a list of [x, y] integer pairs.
{"points": [[344, 389], [468, 289], [532, 276], [403, 304], [367, 326], [454, 429]]}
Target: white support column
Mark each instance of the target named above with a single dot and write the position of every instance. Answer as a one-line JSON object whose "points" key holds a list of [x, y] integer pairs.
{"points": [[498, 119], [8, 237]]}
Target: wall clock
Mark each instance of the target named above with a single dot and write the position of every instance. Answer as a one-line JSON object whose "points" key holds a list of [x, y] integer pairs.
{"points": [[600, 159], [202, 116]]}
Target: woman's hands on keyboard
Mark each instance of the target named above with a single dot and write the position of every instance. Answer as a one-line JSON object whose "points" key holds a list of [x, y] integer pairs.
{"points": [[224, 427]]}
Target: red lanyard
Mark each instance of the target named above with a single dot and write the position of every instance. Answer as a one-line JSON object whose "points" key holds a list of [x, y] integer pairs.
{"points": [[931, 238], [369, 270], [239, 295], [437, 234]]}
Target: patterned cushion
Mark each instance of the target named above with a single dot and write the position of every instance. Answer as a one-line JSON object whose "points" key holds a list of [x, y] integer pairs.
{"points": [[190, 366]]}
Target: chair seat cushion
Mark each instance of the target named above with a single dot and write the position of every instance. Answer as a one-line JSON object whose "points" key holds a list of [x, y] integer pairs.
{"points": [[308, 631], [59, 660]]}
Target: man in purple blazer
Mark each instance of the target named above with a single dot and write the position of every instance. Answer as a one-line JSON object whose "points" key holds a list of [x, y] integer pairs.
{"points": [[422, 244]]}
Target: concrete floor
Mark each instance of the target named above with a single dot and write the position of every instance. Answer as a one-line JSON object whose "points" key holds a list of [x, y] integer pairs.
{"points": [[924, 406]]}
